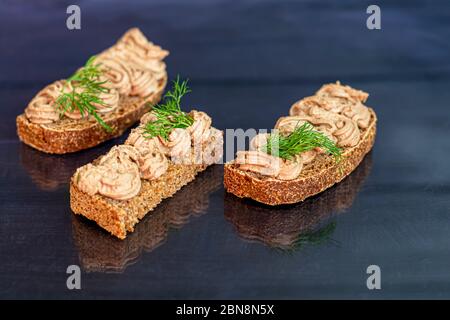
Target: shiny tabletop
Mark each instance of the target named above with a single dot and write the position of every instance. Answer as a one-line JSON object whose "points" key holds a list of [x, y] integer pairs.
{"points": [[247, 62]]}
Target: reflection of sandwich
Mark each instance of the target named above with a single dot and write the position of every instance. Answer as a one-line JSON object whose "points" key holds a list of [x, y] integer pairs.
{"points": [[51, 172], [166, 152], [287, 227], [322, 141], [100, 252], [100, 101]]}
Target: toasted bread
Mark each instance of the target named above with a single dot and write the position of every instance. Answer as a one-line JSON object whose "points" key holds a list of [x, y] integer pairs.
{"points": [[316, 176], [119, 188], [70, 135], [119, 217]]}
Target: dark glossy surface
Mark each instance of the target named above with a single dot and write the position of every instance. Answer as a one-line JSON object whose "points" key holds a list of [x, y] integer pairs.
{"points": [[248, 62]]}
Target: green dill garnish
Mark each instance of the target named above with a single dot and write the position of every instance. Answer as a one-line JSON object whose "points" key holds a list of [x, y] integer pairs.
{"points": [[302, 139], [168, 114], [316, 237], [86, 89], [313, 237]]}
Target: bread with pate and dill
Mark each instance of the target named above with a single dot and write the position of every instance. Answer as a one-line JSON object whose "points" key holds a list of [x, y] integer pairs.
{"points": [[323, 140], [100, 101], [164, 153]]}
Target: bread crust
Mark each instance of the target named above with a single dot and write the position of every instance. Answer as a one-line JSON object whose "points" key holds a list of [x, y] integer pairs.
{"points": [[273, 192], [74, 135], [119, 217]]}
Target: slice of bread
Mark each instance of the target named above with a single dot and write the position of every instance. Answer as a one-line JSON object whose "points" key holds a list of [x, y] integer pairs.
{"points": [[315, 177], [118, 216], [68, 135]]}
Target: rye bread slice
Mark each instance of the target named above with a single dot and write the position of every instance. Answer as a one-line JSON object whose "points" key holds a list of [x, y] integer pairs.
{"points": [[120, 216], [322, 173], [68, 135]]}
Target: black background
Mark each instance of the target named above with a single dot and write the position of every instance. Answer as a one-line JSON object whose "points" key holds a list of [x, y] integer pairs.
{"points": [[247, 62]]}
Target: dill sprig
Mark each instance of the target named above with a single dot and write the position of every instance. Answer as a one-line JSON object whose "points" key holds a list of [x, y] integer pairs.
{"points": [[316, 237], [168, 114], [313, 237], [86, 89], [302, 139]]}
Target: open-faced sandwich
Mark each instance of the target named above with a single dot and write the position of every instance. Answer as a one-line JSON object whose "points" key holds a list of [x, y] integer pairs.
{"points": [[164, 153], [100, 101], [324, 139]]}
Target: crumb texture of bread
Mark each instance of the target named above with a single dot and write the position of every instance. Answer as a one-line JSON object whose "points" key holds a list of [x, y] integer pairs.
{"points": [[71, 135], [316, 177], [119, 217]]}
